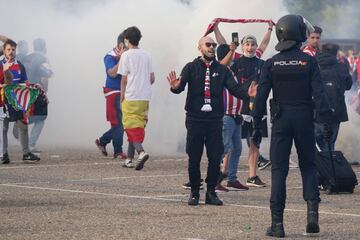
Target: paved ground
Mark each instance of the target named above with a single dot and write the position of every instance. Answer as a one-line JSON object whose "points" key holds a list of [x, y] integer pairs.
{"points": [[81, 195]]}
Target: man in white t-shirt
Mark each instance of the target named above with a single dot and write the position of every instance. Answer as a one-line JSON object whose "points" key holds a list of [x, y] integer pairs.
{"points": [[137, 77]]}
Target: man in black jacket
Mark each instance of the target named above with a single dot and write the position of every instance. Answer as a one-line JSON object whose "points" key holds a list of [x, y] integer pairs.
{"points": [[337, 80], [206, 79], [297, 88]]}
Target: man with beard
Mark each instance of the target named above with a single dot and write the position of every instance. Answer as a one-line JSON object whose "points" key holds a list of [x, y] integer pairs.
{"points": [[19, 77], [206, 79]]}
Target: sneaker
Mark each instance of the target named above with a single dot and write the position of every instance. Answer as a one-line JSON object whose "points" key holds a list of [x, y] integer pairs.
{"points": [[30, 157], [5, 159], [236, 186], [143, 157], [35, 150], [255, 182], [194, 199], [120, 155], [188, 186], [213, 199], [263, 163], [221, 188], [128, 163], [101, 147]]}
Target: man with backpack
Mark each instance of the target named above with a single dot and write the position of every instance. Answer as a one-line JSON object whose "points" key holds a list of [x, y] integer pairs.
{"points": [[337, 80]]}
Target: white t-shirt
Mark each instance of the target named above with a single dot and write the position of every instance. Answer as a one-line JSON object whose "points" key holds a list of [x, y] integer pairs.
{"points": [[136, 64]]}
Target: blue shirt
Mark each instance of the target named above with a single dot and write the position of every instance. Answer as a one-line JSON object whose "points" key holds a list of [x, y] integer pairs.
{"points": [[111, 82]]}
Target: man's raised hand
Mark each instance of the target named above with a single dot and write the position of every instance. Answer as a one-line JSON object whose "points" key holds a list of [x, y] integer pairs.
{"points": [[173, 80], [7, 66]]}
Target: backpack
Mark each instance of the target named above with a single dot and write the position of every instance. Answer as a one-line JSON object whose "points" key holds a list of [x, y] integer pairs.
{"points": [[332, 86]]}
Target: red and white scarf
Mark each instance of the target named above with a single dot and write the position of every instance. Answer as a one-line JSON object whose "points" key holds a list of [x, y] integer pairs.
{"points": [[207, 93], [211, 26]]}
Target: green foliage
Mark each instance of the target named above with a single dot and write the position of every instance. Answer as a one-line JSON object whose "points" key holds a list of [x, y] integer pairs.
{"points": [[338, 18]]}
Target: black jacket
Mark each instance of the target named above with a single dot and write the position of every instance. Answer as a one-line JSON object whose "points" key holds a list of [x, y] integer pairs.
{"points": [[340, 73], [247, 70], [193, 74], [295, 79]]}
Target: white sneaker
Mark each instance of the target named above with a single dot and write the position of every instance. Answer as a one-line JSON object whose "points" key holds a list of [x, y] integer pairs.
{"points": [[143, 157], [128, 163]]}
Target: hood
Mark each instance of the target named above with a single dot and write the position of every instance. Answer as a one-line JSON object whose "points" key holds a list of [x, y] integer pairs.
{"points": [[325, 59]]}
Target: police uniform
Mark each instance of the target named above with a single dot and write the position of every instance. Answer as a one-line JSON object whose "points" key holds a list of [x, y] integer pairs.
{"points": [[297, 88]]}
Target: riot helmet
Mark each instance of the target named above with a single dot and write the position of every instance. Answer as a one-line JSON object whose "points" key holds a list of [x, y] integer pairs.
{"points": [[291, 30]]}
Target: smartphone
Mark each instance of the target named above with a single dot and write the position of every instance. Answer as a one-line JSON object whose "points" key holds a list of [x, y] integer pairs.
{"points": [[235, 38]]}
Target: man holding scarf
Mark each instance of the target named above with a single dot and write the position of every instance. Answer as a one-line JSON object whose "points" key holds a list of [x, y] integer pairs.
{"points": [[206, 79]]}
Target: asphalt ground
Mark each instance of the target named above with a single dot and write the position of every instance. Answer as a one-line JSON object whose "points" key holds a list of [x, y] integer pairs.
{"points": [[81, 195]]}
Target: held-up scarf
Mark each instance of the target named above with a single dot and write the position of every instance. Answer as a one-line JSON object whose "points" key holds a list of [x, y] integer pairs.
{"points": [[211, 26], [207, 93]]}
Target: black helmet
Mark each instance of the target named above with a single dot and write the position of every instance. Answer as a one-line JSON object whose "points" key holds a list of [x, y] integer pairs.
{"points": [[290, 30]]}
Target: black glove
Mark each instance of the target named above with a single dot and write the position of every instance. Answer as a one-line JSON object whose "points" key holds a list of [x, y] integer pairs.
{"points": [[327, 132], [256, 137]]}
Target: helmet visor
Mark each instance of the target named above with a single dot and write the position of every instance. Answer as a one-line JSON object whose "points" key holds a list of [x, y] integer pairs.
{"points": [[309, 26]]}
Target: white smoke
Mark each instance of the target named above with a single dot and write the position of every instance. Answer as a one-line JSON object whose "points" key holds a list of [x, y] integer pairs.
{"points": [[80, 33]]}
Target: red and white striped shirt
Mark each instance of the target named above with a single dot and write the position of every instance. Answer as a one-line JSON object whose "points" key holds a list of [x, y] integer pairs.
{"points": [[309, 50], [233, 104]]}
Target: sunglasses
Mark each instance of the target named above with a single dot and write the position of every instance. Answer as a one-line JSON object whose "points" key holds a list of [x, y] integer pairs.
{"points": [[214, 45]]}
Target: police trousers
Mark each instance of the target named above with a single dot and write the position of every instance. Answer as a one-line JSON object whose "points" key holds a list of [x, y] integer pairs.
{"points": [[294, 124]]}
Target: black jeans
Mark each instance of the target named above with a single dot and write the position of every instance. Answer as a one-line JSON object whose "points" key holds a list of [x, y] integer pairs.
{"points": [[293, 125], [200, 133]]}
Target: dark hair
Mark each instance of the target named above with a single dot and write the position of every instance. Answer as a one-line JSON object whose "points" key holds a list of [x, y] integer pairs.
{"points": [[39, 44], [222, 50], [318, 30], [10, 42], [133, 34], [120, 38], [330, 48]]}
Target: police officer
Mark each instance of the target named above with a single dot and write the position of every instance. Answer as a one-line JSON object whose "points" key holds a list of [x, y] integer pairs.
{"points": [[297, 88]]}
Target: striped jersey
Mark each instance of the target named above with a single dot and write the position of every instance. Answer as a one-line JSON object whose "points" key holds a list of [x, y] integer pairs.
{"points": [[309, 50]]}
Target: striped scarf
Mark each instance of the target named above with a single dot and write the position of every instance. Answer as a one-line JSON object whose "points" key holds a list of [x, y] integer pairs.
{"points": [[207, 93], [211, 26]]}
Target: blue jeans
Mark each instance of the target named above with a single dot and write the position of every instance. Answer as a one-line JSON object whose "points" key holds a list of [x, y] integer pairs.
{"points": [[39, 122], [319, 136], [232, 145], [115, 133]]}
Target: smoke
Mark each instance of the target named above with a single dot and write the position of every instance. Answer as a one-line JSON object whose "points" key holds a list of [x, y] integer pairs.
{"points": [[80, 33]]}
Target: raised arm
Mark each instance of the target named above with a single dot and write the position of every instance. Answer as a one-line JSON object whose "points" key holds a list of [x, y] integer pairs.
{"points": [[3, 38], [218, 35], [266, 39], [177, 85], [229, 56]]}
